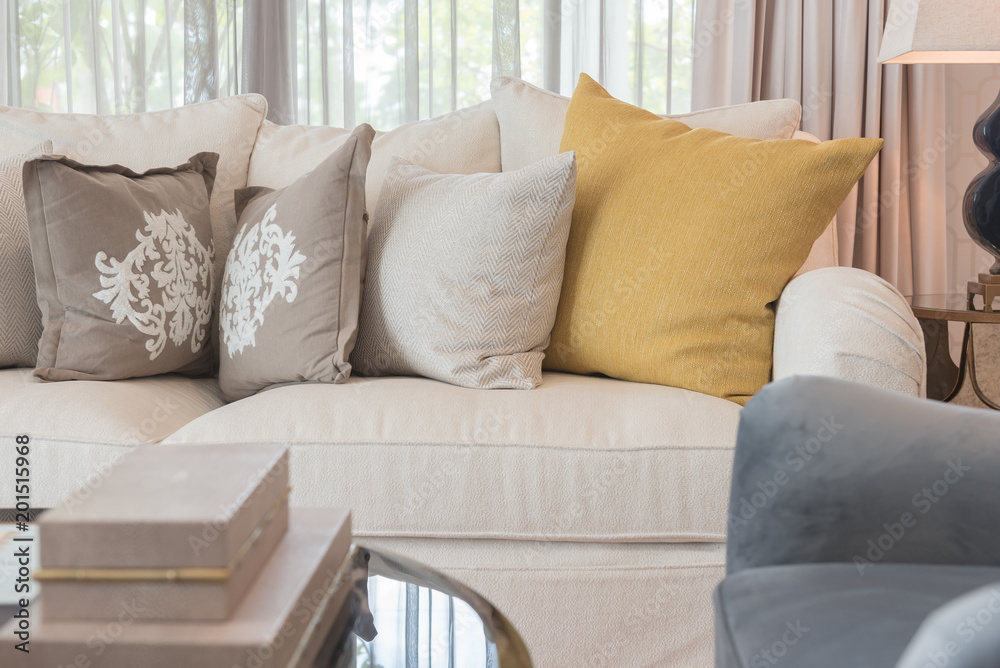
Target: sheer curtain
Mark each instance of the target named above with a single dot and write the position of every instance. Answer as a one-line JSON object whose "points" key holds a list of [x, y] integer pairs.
{"points": [[337, 62], [824, 55]]}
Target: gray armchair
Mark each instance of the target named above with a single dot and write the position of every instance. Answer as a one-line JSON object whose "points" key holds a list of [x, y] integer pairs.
{"points": [[864, 530]]}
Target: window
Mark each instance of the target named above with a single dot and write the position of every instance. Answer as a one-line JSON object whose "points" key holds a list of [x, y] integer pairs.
{"points": [[407, 59]]}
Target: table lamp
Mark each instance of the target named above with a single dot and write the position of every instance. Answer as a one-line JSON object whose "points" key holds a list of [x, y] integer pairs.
{"points": [[956, 32]]}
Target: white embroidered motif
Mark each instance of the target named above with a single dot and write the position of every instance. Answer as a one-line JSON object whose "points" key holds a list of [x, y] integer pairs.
{"points": [[182, 265], [262, 266]]}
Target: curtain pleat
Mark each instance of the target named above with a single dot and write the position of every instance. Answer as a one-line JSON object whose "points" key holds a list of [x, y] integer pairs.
{"points": [[552, 44], [894, 223], [5, 59], [454, 55], [411, 58], [269, 67], [201, 51], [506, 38], [350, 105]]}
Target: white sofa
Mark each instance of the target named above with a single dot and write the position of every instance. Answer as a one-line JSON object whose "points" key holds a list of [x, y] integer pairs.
{"points": [[591, 511]]}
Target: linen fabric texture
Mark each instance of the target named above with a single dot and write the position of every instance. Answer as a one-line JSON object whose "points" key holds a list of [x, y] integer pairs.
{"points": [[682, 240], [465, 271], [20, 319], [124, 266], [291, 293]]}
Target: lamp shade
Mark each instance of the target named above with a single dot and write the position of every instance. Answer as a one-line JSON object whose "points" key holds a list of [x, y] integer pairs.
{"points": [[941, 31]]}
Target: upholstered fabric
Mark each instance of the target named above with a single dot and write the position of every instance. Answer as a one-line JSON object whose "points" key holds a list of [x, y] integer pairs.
{"points": [[589, 604], [464, 275], [284, 153], [579, 458], [466, 141], [124, 267], [827, 470], [146, 141], [848, 323], [291, 295], [78, 429], [532, 120], [681, 240], [22, 321], [829, 615]]}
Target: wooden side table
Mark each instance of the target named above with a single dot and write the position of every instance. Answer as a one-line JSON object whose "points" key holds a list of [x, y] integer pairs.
{"points": [[944, 379]]}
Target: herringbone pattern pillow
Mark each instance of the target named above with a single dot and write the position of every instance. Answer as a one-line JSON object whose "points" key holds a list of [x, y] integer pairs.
{"points": [[464, 274], [20, 319]]}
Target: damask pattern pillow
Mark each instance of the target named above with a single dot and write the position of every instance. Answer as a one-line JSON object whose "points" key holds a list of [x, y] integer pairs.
{"points": [[465, 271], [123, 266], [20, 321], [291, 291]]}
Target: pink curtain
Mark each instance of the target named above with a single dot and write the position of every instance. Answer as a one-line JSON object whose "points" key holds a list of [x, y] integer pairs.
{"points": [[824, 55]]}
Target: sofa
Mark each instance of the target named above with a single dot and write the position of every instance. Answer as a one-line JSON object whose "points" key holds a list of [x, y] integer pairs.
{"points": [[591, 511]]}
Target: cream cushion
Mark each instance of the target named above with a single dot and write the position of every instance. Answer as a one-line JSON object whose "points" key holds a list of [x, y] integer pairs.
{"points": [[579, 458], [79, 428], [531, 123], [531, 120], [159, 139], [466, 141]]}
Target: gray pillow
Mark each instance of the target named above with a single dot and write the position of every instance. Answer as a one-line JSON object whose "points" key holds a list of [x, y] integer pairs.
{"points": [[20, 319], [292, 287], [465, 272], [123, 267]]}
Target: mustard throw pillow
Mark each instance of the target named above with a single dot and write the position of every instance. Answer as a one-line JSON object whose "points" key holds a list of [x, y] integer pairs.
{"points": [[681, 240]]}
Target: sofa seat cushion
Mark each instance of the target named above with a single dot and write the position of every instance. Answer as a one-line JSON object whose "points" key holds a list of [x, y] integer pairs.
{"points": [[829, 615], [78, 428], [578, 459]]}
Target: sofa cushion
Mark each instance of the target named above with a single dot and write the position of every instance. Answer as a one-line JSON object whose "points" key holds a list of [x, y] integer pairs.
{"points": [[468, 304], [78, 429], [466, 141], [19, 313], [578, 459], [295, 276], [123, 267], [147, 141], [689, 236]]}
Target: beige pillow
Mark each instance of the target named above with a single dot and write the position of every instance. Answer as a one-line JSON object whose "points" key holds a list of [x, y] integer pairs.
{"points": [[466, 141], [532, 119], [464, 274], [123, 267], [20, 319], [147, 141], [292, 288]]}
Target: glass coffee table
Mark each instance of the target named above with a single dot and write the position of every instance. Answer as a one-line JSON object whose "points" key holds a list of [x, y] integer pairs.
{"points": [[944, 378], [402, 614]]}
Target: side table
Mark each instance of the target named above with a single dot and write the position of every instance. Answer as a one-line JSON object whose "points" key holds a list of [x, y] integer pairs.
{"points": [[934, 313]]}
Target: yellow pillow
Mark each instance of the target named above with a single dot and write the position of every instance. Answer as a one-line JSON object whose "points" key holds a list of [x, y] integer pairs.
{"points": [[682, 239]]}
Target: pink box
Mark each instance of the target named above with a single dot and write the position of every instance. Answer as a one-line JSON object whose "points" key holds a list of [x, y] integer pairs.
{"points": [[281, 623], [184, 528]]}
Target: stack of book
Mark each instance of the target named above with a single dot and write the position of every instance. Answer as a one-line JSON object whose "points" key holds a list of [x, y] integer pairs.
{"points": [[189, 556]]}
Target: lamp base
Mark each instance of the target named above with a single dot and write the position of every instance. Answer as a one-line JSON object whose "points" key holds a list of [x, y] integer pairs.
{"points": [[988, 286], [981, 207]]}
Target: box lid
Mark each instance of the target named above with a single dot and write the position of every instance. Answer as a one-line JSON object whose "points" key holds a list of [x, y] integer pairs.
{"points": [[168, 507], [299, 590]]}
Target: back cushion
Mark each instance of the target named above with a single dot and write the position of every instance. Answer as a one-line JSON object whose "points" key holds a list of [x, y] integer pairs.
{"points": [[159, 139], [466, 141], [531, 120], [531, 126]]}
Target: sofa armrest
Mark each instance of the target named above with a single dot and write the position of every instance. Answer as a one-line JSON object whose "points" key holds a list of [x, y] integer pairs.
{"points": [[832, 471], [851, 324]]}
